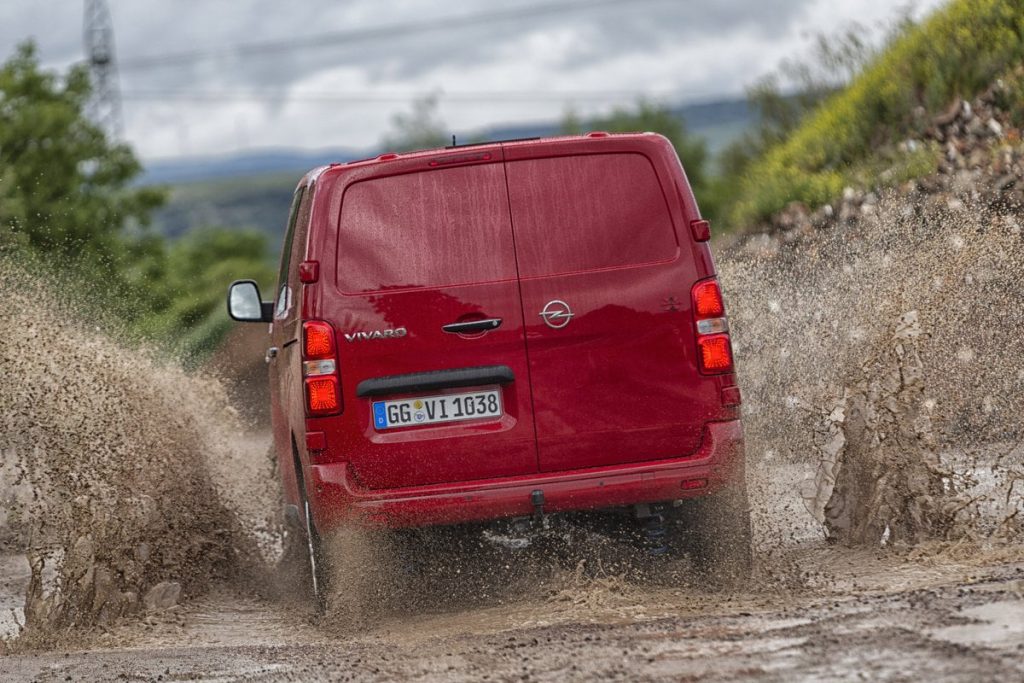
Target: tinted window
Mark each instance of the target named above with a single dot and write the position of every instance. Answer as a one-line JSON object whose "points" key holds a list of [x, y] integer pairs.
{"points": [[586, 212], [429, 229], [283, 292]]}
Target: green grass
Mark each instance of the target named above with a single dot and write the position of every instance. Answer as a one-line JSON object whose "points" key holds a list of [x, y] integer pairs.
{"points": [[958, 51]]}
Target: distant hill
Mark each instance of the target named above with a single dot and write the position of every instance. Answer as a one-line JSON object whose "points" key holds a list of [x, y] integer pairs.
{"points": [[251, 201], [259, 162], [253, 189], [719, 123]]}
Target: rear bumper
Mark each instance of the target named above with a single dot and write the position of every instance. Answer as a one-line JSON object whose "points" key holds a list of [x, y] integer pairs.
{"points": [[337, 499]]}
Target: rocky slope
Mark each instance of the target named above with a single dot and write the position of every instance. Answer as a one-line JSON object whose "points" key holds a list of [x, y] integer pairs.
{"points": [[982, 161]]}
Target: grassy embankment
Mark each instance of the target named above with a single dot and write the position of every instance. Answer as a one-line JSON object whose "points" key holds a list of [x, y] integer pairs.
{"points": [[852, 139]]}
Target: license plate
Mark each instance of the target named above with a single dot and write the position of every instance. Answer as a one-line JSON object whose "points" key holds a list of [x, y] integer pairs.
{"points": [[425, 410]]}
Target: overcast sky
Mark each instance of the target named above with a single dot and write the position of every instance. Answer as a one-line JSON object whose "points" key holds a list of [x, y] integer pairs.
{"points": [[328, 78]]}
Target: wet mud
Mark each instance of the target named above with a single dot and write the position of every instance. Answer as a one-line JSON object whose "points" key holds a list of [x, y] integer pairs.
{"points": [[882, 384], [880, 615], [132, 481]]}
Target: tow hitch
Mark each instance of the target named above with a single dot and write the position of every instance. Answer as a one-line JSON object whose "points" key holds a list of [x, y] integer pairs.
{"points": [[521, 532]]}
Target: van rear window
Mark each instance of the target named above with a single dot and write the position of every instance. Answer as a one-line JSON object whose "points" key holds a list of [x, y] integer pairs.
{"points": [[587, 212], [430, 229]]}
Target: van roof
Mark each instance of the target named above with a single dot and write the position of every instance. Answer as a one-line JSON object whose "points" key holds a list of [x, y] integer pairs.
{"points": [[385, 157], [390, 156]]}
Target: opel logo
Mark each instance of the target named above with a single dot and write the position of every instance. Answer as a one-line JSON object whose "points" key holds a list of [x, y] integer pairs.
{"points": [[556, 314]]}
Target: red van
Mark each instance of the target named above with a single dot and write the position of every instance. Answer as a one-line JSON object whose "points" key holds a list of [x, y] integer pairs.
{"points": [[513, 329]]}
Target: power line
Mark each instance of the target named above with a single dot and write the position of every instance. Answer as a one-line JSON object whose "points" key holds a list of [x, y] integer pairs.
{"points": [[387, 97], [333, 38]]}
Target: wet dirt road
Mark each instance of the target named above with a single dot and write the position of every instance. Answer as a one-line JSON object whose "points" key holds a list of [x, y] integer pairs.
{"points": [[943, 612], [861, 615]]}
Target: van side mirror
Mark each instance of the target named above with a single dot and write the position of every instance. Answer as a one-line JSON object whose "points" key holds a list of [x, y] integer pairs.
{"points": [[244, 304]]}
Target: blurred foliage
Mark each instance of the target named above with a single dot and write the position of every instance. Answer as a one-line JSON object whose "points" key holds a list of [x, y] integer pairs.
{"points": [[783, 99], [646, 116], [189, 298], [809, 155], [1010, 99], [64, 188], [67, 205], [421, 128]]}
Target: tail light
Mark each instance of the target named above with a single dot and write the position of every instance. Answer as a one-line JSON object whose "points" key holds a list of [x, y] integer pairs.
{"points": [[707, 300], [320, 369], [714, 349], [701, 230], [322, 396], [317, 340], [715, 353]]}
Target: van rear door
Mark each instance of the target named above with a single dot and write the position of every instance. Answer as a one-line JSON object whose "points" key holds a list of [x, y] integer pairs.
{"points": [[606, 286], [424, 243]]}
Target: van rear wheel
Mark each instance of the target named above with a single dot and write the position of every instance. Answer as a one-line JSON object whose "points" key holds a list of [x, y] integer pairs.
{"points": [[318, 569], [351, 575], [716, 530]]}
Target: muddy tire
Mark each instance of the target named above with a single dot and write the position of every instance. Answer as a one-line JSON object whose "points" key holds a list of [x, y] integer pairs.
{"points": [[350, 572], [292, 577], [715, 530], [363, 581], [319, 572]]}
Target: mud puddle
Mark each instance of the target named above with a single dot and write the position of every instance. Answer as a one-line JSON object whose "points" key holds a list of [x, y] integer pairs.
{"points": [[882, 615], [843, 575]]}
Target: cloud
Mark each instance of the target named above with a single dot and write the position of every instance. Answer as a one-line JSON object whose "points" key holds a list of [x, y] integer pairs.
{"points": [[342, 93]]}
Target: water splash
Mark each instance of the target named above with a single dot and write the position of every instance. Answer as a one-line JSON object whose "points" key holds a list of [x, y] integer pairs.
{"points": [[138, 472], [882, 354]]}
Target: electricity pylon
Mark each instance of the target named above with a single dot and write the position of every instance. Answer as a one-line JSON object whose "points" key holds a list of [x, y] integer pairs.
{"points": [[104, 107]]}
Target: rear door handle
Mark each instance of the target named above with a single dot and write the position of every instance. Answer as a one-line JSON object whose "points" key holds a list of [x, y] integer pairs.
{"points": [[470, 326]]}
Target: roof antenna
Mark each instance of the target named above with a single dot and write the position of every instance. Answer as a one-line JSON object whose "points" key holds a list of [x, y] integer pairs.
{"points": [[453, 140]]}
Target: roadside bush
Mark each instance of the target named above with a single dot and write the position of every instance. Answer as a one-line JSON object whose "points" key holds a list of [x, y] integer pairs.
{"points": [[192, 319]]}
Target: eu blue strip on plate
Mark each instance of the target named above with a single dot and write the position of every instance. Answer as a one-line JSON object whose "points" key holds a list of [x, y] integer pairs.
{"points": [[380, 418]]}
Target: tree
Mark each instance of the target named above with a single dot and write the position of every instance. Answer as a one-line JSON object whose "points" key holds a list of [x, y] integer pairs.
{"points": [[420, 129], [67, 205], [64, 188]]}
